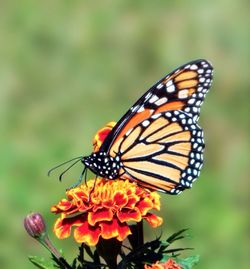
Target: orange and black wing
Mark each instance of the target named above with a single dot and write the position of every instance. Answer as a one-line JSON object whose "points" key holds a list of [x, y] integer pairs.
{"points": [[183, 89], [158, 140], [164, 152]]}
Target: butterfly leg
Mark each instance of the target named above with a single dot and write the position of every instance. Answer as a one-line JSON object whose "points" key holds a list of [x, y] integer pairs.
{"points": [[79, 180], [93, 188]]}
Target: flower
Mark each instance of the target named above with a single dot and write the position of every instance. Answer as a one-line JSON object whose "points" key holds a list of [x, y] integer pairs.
{"points": [[35, 225], [103, 208], [102, 134], [169, 264]]}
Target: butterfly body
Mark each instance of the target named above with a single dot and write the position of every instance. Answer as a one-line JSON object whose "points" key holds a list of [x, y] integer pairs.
{"points": [[158, 143], [102, 164]]}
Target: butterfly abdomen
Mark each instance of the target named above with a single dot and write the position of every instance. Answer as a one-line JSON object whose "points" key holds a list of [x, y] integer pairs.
{"points": [[103, 165]]}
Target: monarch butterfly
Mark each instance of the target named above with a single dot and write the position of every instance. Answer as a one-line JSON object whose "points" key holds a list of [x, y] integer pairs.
{"points": [[158, 143]]}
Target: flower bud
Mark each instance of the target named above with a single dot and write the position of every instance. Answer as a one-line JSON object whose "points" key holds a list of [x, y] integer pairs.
{"points": [[35, 225]]}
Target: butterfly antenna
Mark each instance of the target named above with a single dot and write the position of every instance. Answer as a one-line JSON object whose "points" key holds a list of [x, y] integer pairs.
{"points": [[54, 168], [67, 169]]}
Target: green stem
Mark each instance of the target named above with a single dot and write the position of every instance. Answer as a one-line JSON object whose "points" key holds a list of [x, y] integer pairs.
{"points": [[44, 240]]}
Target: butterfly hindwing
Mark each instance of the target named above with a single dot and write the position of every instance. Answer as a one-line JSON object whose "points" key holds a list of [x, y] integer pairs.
{"points": [[164, 152]]}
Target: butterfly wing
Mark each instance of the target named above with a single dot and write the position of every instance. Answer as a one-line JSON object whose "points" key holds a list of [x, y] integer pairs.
{"points": [[183, 89], [163, 152]]}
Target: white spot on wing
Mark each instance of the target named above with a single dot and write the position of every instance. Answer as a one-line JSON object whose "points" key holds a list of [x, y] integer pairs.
{"points": [[156, 116], [183, 94], [145, 123], [134, 108], [169, 83], [193, 67], [159, 86], [161, 101], [191, 101], [148, 95], [140, 109], [153, 99], [129, 131], [171, 88]]}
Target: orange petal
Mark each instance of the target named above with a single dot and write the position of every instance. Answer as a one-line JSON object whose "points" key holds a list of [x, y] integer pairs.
{"points": [[87, 234], [99, 215], [145, 205], [63, 205], [120, 199], [153, 266], [78, 195], [132, 200], [171, 264], [155, 197], [114, 228], [153, 220], [129, 215], [123, 231], [62, 227]]}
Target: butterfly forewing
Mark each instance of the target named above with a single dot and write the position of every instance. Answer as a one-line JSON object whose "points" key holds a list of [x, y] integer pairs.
{"points": [[183, 89]]}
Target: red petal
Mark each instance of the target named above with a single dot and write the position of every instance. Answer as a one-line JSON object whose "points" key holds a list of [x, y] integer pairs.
{"points": [[132, 200], [102, 134], [129, 215], [120, 199], [153, 220], [63, 205], [100, 215], [62, 227], [123, 231], [87, 234], [116, 229], [145, 205]]}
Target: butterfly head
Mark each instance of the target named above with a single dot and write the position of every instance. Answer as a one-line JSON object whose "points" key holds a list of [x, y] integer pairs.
{"points": [[102, 164]]}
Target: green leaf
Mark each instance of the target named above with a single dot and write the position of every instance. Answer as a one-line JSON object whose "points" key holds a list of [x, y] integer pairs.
{"points": [[188, 262], [41, 263], [177, 236], [185, 263]]}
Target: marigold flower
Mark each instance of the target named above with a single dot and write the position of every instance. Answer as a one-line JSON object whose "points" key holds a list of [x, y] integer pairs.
{"points": [[103, 209], [169, 264], [102, 134]]}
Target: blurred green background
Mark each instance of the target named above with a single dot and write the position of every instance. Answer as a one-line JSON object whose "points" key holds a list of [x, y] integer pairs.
{"points": [[68, 67]]}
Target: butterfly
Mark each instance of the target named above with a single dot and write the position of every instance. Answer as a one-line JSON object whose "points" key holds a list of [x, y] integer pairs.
{"points": [[158, 143]]}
